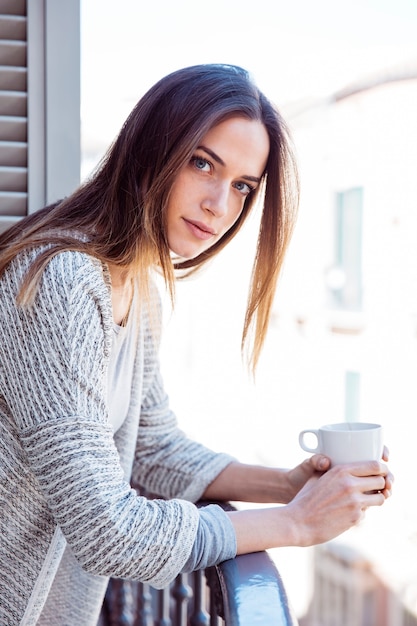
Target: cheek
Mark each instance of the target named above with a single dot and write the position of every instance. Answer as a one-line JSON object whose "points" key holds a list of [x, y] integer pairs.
{"points": [[180, 194], [175, 200], [236, 212]]}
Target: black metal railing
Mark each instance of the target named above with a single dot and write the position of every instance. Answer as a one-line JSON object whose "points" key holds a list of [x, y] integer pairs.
{"points": [[244, 591], [252, 592]]}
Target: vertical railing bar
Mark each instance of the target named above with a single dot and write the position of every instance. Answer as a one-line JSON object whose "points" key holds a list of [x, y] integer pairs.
{"points": [[163, 606], [182, 593], [145, 613], [215, 619], [199, 615]]}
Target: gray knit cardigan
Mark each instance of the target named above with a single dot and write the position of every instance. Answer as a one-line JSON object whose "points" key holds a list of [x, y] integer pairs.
{"points": [[69, 515]]}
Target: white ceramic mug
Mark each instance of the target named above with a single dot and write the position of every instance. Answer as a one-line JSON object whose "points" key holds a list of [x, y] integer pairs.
{"points": [[347, 442]]}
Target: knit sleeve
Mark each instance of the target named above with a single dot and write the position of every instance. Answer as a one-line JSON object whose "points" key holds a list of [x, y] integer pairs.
{"points": [[53, 380], [55, 352]]}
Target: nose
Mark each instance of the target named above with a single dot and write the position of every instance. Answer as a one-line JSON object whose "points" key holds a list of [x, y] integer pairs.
{"points": [[216, 200]]}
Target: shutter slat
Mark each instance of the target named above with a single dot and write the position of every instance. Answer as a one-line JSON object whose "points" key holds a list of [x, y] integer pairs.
{"points": [[13, 103], [13, 179], [13, 78], [13, 128], [13, 27], [13, 53], [13, 203], [13, 7], [13, 154]]}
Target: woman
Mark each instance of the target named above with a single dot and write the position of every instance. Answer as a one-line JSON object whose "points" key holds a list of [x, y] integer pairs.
{"points": [[83, 414]]}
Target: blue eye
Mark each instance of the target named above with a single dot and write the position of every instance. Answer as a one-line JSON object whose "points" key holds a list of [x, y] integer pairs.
{"points": [[244, 188], [201, 163]]}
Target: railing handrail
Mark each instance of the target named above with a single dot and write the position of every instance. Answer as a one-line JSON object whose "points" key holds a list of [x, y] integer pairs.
{"points": [[244, 591], [253, 593]]}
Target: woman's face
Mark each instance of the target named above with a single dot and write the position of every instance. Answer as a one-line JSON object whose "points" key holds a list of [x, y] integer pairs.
{"points": [[209, 192]]}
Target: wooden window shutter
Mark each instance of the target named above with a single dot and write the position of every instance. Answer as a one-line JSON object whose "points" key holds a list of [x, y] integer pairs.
{"points": [[39, 104], [13, 110]]}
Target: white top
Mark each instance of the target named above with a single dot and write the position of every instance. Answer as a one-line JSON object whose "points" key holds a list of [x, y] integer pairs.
{"points": [[120, 372]]}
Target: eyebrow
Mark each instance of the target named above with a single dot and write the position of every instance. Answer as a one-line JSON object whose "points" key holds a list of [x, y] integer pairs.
{"points": [[216, 158]]}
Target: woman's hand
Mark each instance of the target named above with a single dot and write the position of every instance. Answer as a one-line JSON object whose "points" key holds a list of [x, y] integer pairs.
{"points": [[326, 505], [254, 483], [301, 474], [317, 465], [329, 504]]}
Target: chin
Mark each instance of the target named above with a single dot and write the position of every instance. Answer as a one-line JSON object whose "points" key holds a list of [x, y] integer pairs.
{"points": [[184, 255], [179, 258]]}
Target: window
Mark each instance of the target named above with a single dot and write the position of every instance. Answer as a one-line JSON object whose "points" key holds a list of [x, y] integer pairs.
{"points": [[345, 278]]}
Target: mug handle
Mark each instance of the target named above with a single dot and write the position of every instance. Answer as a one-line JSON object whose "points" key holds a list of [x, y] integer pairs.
{"points": [[304, 446]]}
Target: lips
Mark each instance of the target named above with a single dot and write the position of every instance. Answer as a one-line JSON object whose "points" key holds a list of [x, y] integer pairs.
{"points": [[200, 230]]}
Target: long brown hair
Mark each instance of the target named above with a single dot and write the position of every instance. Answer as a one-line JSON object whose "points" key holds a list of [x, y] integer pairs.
{"points": [[118, 215]]}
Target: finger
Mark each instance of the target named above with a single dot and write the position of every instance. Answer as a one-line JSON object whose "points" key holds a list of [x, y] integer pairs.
{"points": [[385, 454], [372, 484], [368, 468], [320, 462], [375, 498], [389, 480]]}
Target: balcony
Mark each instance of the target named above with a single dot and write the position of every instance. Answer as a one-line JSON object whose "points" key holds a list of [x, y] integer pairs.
{"points": [[245, 591]]}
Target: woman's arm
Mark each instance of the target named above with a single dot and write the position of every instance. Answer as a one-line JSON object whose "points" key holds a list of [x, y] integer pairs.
{"points": [[256, 483], [320, 505]]}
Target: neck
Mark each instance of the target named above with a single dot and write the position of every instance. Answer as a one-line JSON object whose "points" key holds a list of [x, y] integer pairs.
{"points": [[120, 276], [121, 293]]}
